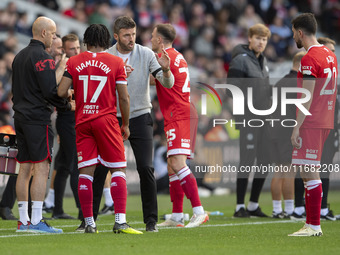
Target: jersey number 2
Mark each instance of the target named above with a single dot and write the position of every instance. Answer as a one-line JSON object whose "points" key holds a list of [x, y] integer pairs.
{"points": [[185, 87], [330, 75]]}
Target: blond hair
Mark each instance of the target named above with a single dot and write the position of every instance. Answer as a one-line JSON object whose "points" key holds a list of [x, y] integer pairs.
{"points": [[259, 29]]}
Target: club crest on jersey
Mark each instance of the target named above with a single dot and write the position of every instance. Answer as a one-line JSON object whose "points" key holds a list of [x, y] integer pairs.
{"points": [[330, 59]]}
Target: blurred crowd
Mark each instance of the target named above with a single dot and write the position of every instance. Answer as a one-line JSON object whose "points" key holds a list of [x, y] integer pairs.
{"points": [[207, 30]]}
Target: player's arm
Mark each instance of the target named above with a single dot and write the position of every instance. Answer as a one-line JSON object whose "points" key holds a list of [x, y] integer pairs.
{"points": [[160, 69], [124, 105], [64, 86], [308, 84], [152, 80], [46, 80]]}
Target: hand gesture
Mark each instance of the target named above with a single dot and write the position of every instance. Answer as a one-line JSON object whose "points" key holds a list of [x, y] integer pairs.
{"points": [[164, 60], [128, 68], [63, 60]]}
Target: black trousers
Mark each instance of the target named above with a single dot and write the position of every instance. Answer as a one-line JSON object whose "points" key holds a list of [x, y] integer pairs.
{"points": [[9, 195], [67, 161], [254, 145], [141, 140]]}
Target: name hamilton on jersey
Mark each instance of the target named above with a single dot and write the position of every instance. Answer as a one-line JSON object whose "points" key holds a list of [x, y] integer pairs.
{"points": [[93, 63]]}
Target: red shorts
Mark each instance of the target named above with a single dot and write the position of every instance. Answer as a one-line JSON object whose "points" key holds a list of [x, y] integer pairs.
{"points": [[312, 141], [100, 141], [181, 137]]}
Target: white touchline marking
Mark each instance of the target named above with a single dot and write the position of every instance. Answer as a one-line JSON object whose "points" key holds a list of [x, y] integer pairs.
{"points": [[106, 231]]}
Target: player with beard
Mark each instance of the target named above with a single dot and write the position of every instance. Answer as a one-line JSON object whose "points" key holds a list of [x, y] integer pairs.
{"points": [[318, 74]]}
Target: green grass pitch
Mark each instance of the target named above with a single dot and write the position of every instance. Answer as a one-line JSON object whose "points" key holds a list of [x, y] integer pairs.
{"points": [[221, 235]]}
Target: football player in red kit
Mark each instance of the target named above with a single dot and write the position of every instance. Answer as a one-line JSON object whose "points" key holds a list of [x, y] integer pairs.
{"points": [[96, 75], [318, 74], [180, 126]]}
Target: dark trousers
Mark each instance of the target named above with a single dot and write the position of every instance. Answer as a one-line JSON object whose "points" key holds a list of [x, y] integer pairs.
{"points": [[254, 145], [67, 161], [141, 140], [9, 195], [98, 184]]}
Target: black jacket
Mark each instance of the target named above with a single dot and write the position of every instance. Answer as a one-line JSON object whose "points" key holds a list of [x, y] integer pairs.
{"points": [[34, 85], [246, 70], [280, 132]]}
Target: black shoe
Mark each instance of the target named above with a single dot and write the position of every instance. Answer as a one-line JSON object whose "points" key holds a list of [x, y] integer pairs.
{"points": [[63, 216], [242, 213], [80, 215], [295, 216], [151, 227], [328, 216], [277, 215], [257, 213], [46, 209], [281, 215], [7, 214], [107, 210], [90, 229], [81, 227]]}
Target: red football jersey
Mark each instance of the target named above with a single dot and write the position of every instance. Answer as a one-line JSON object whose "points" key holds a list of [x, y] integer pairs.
{"points": [[175, 102], [321, 63], [95, 76]]}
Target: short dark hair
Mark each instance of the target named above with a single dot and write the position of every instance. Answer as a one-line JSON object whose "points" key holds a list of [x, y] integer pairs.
{"points": [[167, 31], [305, 22], [97, 35], [123, 22], [70, 37]]}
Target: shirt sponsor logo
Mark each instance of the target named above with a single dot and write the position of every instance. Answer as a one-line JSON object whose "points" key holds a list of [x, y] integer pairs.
{"points": [[307, 72]]}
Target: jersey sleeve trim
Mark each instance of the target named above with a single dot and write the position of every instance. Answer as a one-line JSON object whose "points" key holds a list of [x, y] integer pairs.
{"points": [[67, 74], [309, 77], [155, 72]]}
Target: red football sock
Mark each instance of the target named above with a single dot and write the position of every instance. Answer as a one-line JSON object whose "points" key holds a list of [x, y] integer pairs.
{"points": [[85, 194], [307, 205], [176, 194], [314, 203], [189, 186], [119, 191]]}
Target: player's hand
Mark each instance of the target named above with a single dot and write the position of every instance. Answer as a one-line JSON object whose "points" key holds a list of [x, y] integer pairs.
{"points": [[70, 93], [295, 138], [125, 132], [128, 68], [73, 104], [164, 60], [63, 60]]}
